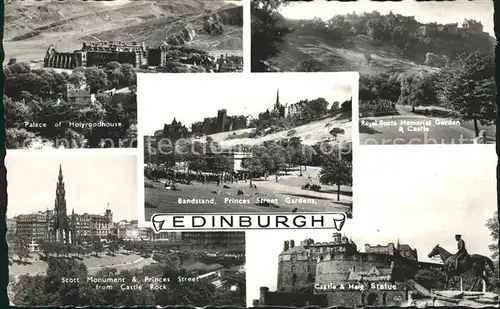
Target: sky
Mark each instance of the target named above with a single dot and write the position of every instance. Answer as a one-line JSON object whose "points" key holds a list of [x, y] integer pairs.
{"points": [[421, 195], [192, 97], [91, 182], [424, 11]]}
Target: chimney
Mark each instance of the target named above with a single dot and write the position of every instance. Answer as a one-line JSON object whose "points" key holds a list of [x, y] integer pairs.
{"points": [[292, 244], [263, 295], [286, 246]]}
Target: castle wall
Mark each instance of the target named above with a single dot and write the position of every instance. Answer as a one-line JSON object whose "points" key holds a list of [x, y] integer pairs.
{"points": [[290, 299], [371, 297], [99, 58], [334, 269], [295, 273]]}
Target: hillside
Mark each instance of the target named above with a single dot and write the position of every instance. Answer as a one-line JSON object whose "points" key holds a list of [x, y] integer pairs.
{"points": [[310, 134], [371, 43], [330, 55], [31, 26]]}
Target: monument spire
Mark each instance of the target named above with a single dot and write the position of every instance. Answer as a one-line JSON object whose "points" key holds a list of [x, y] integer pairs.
{"points": [[61, 225]]}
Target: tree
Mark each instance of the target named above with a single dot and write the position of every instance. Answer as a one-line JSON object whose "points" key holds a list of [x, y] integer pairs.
{"points": [[20, 247], [470, 89], [97, 245], [222, 163], [377, 29], [16, 113], [423, 91], [334, 109], [30, 291], [336, 172], [346, 106], [492, 225], [335, 132], [95, 78], [267, 34], [60, 293], [253, 165], [113, 243], [77, 78]]}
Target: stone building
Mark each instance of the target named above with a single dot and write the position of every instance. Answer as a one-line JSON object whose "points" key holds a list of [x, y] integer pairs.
{"points": [[295, 109], [32, 226], [11, 227], [472, 25], [297, 264], [98, 54], [279, 110], [160, 56], [451, 28], [59, 229], [80, 96], [221, 123], [175, 131], [390, 249]]}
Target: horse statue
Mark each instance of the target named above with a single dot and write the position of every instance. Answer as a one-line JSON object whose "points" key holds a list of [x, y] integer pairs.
{"points": [[475, 263]]}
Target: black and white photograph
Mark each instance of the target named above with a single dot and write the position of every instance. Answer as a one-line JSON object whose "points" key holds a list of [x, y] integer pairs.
{"points": [[74, 240], [188, 36], [426, 67], [430, 248], [247, 143], [70, 67]]}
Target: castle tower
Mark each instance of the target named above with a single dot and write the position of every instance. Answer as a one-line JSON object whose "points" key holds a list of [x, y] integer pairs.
{"points": [[221, 119], [61, 226]]}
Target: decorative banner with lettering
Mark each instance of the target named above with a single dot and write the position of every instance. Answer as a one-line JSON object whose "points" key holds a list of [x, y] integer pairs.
{"points": [[247, 221]]}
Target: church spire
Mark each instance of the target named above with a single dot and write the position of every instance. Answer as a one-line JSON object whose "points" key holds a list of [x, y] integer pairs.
{"points": [[277, 97]]}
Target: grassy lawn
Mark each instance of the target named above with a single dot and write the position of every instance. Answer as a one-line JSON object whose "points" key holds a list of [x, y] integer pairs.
{"points": [[159, 200]]}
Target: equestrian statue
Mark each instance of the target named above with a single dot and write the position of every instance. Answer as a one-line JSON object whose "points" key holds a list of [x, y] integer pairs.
{"points": [[462, 262]]}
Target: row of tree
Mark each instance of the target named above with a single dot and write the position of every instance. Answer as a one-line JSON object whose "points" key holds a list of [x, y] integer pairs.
{"points": [[48, 84], [19, 247]]}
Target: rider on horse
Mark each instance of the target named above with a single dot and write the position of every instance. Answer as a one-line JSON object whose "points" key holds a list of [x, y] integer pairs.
{"points": [[461, 253]]}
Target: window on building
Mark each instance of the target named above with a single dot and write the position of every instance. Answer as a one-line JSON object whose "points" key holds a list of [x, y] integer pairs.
{"points": [[294, 279], [292, 269]]}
